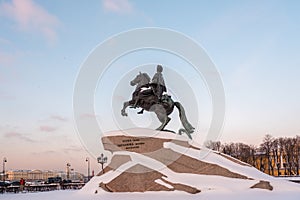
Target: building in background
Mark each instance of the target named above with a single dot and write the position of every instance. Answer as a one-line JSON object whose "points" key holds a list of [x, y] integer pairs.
{"points": [[41, 175], [16, 175]]}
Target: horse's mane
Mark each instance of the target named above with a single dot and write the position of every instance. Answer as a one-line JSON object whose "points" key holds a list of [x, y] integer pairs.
{"points": [[146, 76]]}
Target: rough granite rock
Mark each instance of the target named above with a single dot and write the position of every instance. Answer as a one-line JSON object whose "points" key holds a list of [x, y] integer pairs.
{"points": [[154, 148], [116, 161], [263, 185], [142, 182], [138, 144], [145, 160]]}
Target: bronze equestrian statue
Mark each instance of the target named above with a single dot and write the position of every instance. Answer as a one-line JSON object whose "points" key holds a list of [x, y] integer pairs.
{"points": [[150, 97]]}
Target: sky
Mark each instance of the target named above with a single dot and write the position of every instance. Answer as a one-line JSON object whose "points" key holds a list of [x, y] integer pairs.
{"points": [[255, 46]]}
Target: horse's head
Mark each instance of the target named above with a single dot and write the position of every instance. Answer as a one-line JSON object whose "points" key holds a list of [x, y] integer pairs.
{"points": [[136, 80], [140, 80]]}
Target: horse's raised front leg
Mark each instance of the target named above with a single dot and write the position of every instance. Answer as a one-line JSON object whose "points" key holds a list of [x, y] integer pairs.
{"points": [[125, 105]]}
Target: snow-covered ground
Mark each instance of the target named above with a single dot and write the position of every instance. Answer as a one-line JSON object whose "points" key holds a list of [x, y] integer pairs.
{"points": [[255, 194], [290, 178]]}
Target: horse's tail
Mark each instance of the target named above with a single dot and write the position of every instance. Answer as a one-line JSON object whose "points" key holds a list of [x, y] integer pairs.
{"points": [[186, 124]]}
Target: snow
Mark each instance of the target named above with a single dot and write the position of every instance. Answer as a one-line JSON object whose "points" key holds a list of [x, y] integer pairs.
{"points": [[143, 132], [290, 178], [212, 157], [209, 185], [234, 184], [212, 187], [57, 195], [211, 195], [161, 182]]}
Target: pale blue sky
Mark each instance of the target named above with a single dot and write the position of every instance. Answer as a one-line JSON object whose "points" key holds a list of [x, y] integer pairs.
{"points": [[254, 44]]}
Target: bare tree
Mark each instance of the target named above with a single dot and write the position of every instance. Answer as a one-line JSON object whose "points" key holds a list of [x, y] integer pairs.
{"points": [[276, 155], [267, 147], [216, 146], [297, 149], [228, 149], [268, 157], [243, 152], [252, 154]]}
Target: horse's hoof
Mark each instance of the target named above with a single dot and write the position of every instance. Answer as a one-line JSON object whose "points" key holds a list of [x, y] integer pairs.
{"points": [[123, 113]]}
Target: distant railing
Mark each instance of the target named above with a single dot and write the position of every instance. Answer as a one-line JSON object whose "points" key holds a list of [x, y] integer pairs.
{"points": [[42, 188]]}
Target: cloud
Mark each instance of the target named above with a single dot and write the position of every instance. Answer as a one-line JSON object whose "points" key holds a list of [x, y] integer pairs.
{"points": [[58, 118], [14, 134], [9, 53], [4, 41], [4, 96], [30, 16], [88, 116], [72, 149], [45, 128], [45, 153], [6, 59], [117, 6]]}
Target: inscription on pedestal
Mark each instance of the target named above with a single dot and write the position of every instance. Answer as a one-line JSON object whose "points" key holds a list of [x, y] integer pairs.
{"points": [[134, 143]]}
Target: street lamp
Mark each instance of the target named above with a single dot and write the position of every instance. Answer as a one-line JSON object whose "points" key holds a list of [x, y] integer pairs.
{"points": [[88, 161], [4, 161], [73, 174], [102, 159], [68, 171]]}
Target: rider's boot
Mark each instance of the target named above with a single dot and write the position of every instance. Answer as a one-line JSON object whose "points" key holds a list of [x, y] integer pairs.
{"points": [[141, 111]]}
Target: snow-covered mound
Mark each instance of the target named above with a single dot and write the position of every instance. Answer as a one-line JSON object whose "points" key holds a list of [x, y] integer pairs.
{"points": [[145, 160]]}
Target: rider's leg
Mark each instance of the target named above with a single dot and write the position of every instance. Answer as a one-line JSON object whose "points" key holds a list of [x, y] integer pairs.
{"points": [[136, 103], [159, 91]]}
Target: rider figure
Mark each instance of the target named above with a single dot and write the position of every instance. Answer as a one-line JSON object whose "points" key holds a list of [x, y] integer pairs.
{"points": [[159, 83], [158, 87], [138, 89]]}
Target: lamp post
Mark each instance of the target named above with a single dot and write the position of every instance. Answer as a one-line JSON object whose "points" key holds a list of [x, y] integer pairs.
{"points": [[68, 171], [88, 161], [73, 175], [102, 159], [4, 161]]}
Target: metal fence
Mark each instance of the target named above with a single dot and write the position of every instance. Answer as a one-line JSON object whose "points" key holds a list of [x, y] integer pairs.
{"points": [[42, 188]]}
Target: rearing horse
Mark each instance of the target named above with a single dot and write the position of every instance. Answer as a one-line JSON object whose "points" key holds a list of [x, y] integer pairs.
{"points": [[145, 98]]}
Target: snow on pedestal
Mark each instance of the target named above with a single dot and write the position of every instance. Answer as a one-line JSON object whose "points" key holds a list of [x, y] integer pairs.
{"points": [[145, 160]]}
